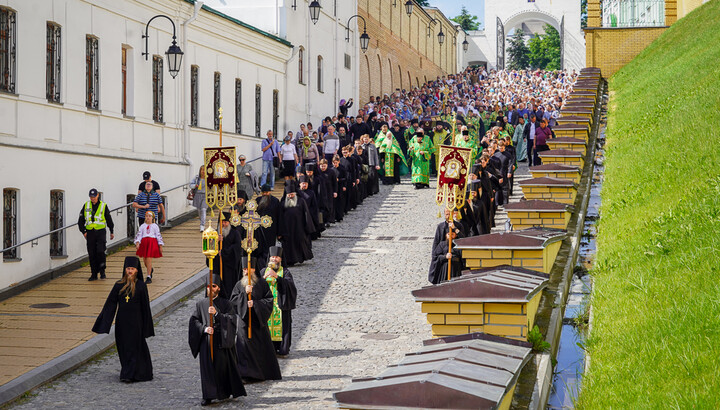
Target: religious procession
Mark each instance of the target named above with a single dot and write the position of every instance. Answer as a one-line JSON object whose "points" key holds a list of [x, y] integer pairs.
{"points": [[466, 132]]}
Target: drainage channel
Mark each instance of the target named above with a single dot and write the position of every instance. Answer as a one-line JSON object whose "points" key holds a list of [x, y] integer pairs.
{"points": [[570, 366]]}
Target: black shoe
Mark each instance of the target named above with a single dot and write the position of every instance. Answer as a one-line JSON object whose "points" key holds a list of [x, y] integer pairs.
{"points": [[148, 280], [205, 402], [102, 275], [92, 278]]}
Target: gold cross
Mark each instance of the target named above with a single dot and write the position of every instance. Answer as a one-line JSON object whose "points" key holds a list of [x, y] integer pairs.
{"points": [[127, 298]]}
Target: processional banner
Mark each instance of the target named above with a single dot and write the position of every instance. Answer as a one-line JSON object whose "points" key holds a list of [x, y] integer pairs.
{"points": [[220, 173], [453, 168]]}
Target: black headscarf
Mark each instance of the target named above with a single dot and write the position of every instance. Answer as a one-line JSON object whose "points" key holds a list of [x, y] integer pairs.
{"points": [[133, 262]]}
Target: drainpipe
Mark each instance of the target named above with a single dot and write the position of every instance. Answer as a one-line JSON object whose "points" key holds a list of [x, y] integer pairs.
{"points": [[336, 91], [308, 101], [185, 92]]}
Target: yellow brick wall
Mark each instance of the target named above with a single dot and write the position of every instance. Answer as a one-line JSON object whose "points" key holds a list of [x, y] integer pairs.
{"points": [[576, 161], [524, 220], [582, 134], [565, 195], [572, 176], [564, 145], [529, 259], [684, 7], [609, 49], [400, 54]]}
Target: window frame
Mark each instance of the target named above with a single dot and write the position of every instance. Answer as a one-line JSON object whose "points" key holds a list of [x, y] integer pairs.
{"points": [[320, 68], [10, 238], [8, 50], [92, 72], [194, 94], [57, 208], [238, 106], [217, 100], [157, 82], [53, 62]]}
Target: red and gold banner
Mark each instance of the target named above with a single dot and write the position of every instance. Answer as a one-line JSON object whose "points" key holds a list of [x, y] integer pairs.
{"points": [[220, 177], [453, 168]]}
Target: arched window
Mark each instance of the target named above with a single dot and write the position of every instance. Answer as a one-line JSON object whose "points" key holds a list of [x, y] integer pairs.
{"points": [[320, 74], [301, 60]]}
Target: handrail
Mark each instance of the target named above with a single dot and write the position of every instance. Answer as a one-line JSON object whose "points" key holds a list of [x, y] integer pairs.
{"points": [[32, 240]]}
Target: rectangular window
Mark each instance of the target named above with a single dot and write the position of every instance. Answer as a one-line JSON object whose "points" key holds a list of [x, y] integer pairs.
{"points": [[216, 99], [57, 220], [123, 107], [276, 95], [131, 216], [157, 81], [194, 95], [52, 67], [7, 50], [238, 106], [320, 74], [258, 116], [348, 61], [92, 73], [301, 58], [10, 222]]}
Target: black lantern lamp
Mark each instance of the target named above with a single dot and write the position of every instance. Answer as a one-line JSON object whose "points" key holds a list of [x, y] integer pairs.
{"points": [[364, 37], [465, 45], [409, 7], [441, 36], [314, 11], [174, 54]]}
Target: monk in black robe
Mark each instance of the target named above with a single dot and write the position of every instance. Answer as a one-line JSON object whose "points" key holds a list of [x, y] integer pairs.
{"points": [[326, 190], [282, 279], [129, 297], [230, 255], [441, 255], [480, 208], [308, 195], [256, 354], [442, 228], [270, 206], [295, 227], [219, 372], [342, 177]]}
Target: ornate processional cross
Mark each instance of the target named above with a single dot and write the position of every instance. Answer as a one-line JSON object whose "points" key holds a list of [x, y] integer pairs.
{"points": [[250, 220]]}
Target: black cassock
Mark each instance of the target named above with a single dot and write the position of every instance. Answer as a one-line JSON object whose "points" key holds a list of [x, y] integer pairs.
{"points": [[256, 356], [341, 173], [268, 205], [287, 296], [219, 375], [439, 263], [312, 202], [442, 229], [132, 325], [482, 216], [231, 254], [295, 227], [324, 190]]}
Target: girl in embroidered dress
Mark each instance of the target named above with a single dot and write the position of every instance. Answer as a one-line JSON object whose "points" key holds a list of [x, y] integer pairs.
{"points": [[149, 243]]}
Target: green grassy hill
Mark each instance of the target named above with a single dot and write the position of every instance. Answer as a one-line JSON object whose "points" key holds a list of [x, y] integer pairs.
{"points": [[655, 340]]}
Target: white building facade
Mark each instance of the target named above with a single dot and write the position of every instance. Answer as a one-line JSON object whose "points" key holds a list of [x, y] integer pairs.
{"points": [[563, 15], [323, 68], [81, 108]]}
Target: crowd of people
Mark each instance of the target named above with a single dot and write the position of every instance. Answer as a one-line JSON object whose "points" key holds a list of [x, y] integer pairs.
{"points": [[502, 117]]}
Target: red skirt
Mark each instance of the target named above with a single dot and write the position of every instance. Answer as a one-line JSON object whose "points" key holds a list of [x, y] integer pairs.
{"points": [[149, 249]]}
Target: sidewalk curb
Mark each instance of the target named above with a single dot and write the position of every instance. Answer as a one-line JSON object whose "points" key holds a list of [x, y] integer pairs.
{"points": [[98, 344]]}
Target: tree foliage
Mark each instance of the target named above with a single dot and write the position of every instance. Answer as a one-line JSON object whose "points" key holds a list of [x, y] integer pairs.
{"points": [[545, 49], [466, 20], [424, 3], [518, 52]]}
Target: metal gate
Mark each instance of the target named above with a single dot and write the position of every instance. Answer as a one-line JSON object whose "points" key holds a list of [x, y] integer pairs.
{"points": [[500, 45], [562, 43]]}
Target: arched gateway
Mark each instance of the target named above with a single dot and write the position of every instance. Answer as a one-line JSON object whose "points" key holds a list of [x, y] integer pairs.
{"points": [[503, 16]]}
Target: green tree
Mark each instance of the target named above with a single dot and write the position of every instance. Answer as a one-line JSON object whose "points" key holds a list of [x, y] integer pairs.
{"points": [[518, 51], [545, 49], [424, 3], [466, 20], [583, 13]]}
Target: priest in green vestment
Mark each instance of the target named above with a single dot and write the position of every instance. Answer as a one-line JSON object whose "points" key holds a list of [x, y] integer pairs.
{"points": [[420, 151], [393, 161]]}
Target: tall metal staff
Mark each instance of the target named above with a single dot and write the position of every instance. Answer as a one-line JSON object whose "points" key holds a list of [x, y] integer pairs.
{"points": [[220, 192]]}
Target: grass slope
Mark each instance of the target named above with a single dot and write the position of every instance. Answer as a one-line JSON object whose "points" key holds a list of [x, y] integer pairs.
{"points": [[655, 341]]}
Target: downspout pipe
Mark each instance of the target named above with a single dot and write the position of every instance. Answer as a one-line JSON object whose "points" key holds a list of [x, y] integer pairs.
{"points": [[186, 82]]}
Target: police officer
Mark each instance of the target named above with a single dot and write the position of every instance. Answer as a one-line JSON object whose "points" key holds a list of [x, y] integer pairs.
{"points": [[94, 217]]}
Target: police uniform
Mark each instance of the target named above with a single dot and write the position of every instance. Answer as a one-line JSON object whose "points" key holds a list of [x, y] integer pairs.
{"points": [[93, 221]]}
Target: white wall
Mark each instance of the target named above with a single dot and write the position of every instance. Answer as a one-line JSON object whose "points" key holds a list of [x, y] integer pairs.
{"points": [[513, 12], [326, 38], [45, 146]]}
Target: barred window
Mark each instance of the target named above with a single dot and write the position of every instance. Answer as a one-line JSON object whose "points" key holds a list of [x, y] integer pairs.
{"points": [[157, 81], [53, 60], [276, 114], [57, 219], [258, 107], [238, 106], [10, 222], [8, 34], [194, 95], [92, 73], [348, 61], [124, 64], [216, 99]]}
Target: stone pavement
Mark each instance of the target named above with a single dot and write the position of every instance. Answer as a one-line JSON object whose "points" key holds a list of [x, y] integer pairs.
{"points": [[355, 315]]}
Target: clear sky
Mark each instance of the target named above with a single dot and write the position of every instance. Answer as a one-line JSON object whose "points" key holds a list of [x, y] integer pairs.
{"points": [[451, 8]]}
